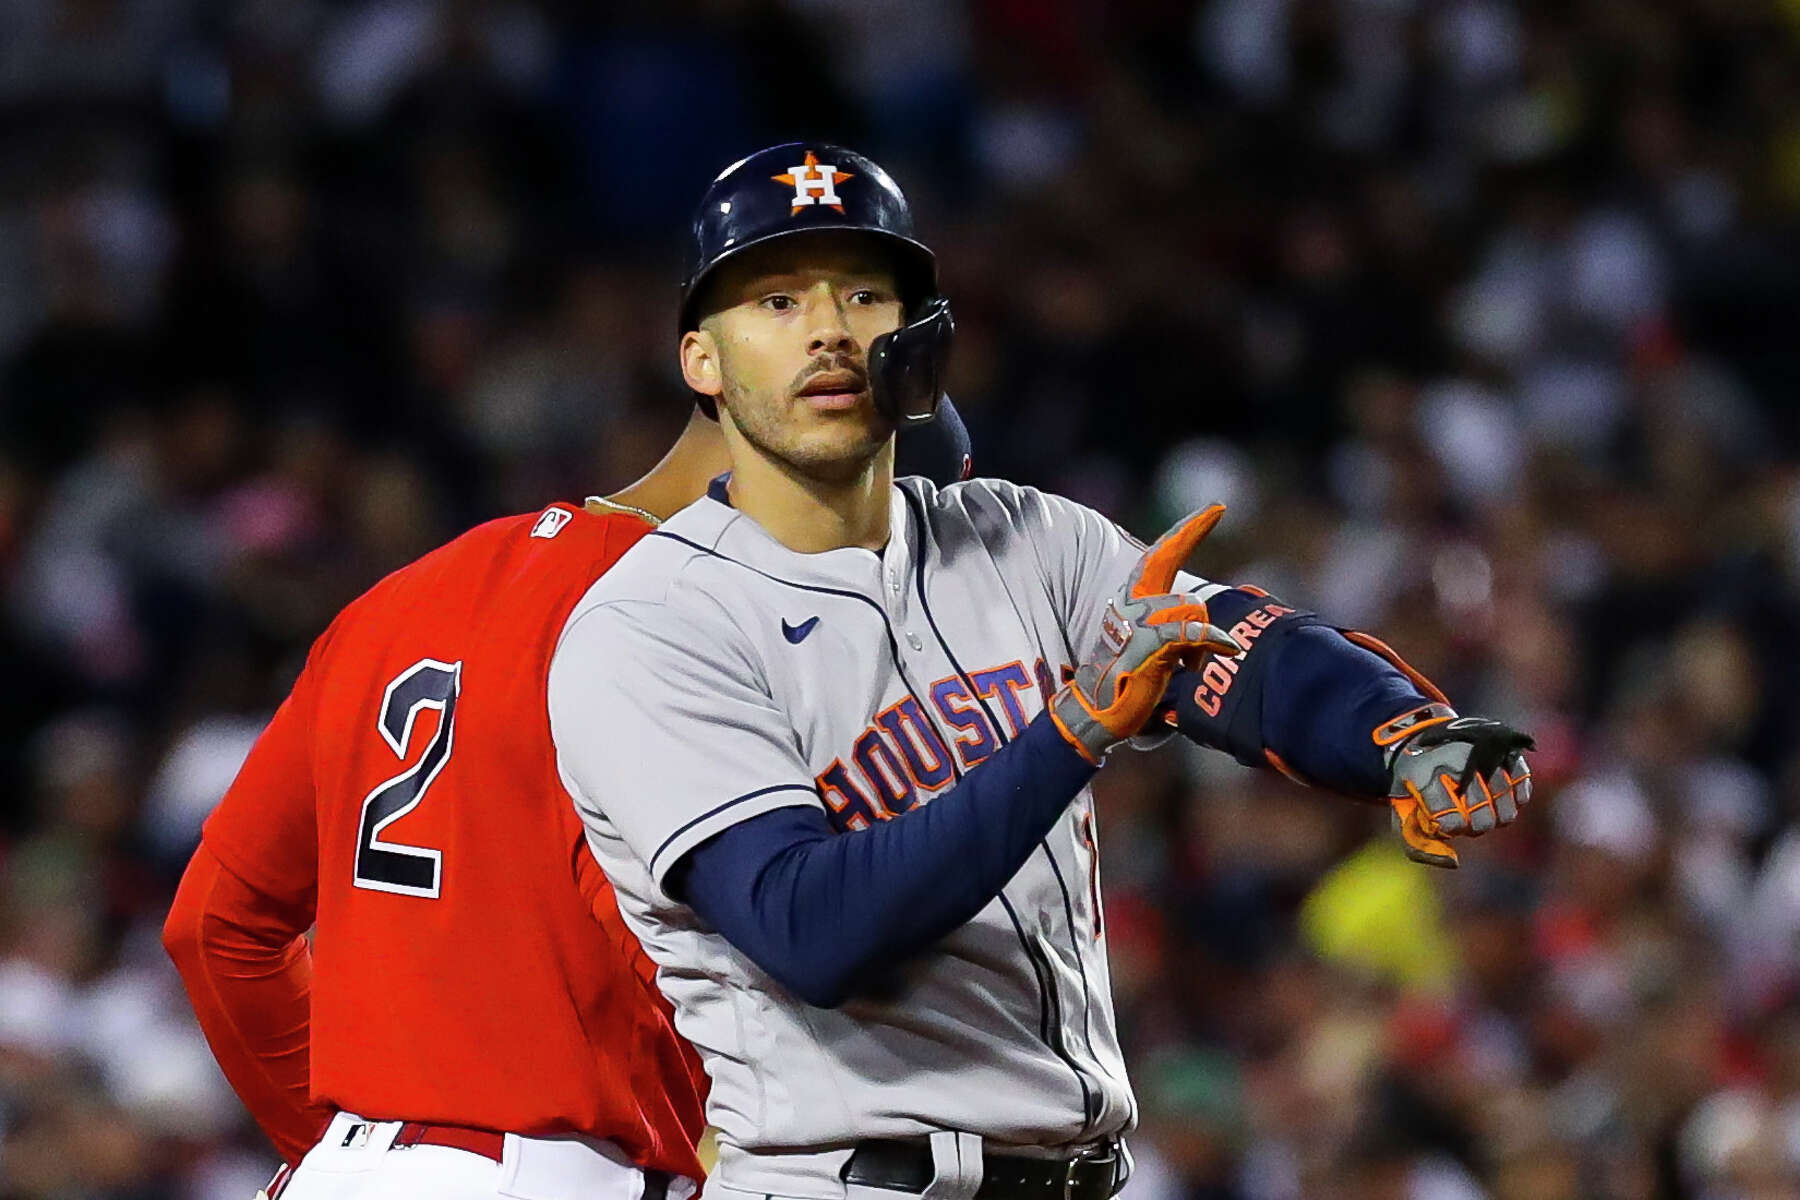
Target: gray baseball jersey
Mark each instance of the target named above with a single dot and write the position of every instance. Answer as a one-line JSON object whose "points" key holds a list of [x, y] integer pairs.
{"points": [[713, 674]]}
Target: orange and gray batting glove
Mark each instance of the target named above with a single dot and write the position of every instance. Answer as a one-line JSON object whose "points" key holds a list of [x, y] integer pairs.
{"points": [[1146, 634], [1452, 777]]}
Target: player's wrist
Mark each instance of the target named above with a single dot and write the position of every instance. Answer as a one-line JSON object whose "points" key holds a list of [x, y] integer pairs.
{"points": [[1393, 735], [1079, 725]]}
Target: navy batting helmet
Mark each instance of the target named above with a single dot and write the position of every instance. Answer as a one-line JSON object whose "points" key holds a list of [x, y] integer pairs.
{"points": [[804, 187]]}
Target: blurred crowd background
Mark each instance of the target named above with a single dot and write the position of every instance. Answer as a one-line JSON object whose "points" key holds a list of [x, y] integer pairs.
{"points": [[1482, 315]]}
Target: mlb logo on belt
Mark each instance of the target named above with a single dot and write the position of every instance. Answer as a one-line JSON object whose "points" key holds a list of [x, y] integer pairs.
{"points": [[814, 182], [551, 523]]}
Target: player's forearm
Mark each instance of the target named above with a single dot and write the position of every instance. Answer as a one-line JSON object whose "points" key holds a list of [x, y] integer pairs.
{"points": [[248, 972], [1304, 693], [829, 915]]}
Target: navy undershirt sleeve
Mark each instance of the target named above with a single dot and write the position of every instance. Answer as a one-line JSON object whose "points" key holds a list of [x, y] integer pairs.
{"points": [[1305, 692], [831, 915], [1325, 698]]}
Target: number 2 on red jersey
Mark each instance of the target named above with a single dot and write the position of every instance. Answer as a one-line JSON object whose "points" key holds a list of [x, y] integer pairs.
{"points": [[394, 866]]}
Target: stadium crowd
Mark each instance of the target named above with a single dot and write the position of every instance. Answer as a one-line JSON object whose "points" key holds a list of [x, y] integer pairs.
{"points": [[1479, 314]]}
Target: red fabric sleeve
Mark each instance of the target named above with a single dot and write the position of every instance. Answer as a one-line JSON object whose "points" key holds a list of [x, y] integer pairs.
{"points": [[236, 930], [247, 966], [266, 829]]}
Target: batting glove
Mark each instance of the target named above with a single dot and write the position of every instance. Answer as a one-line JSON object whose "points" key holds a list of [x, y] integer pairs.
{"points": [[1452, 777], [1146, 634]]}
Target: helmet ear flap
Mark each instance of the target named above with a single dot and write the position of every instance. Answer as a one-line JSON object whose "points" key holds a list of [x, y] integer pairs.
{"points": [[907, 366]]}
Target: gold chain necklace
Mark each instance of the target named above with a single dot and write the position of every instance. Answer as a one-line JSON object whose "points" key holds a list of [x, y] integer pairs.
{"points": [[633, 509]]}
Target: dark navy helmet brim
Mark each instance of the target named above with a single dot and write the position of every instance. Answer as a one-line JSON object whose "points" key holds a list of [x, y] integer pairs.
{"points": [[782, 191], [917, 266]]}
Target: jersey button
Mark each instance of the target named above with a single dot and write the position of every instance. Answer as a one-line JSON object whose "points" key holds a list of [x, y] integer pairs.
{"points": [[914, 640]]}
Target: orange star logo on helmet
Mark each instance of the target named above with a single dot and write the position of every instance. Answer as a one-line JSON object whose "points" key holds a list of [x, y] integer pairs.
{"points": [[814, 182]]}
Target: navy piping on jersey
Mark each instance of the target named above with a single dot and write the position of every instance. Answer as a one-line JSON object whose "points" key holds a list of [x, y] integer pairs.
{"points": [[713, 812], [1087, 1006], [893, 643], [718, 486], [1088, 1108], [1034, 954], [1049, 1010]]}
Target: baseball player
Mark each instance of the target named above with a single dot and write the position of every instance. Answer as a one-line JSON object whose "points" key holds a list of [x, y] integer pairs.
{"points": [[471, 1018], [853, 827]]}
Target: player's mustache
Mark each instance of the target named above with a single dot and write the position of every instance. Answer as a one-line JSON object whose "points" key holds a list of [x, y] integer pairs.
{"points": [[847, 374]]}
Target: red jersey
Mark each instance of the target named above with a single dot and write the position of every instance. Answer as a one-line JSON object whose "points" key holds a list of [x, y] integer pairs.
{"points": [[469, 963]]}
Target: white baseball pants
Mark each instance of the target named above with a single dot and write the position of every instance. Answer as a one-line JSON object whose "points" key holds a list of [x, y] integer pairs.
{"points": [[357, 1160]]}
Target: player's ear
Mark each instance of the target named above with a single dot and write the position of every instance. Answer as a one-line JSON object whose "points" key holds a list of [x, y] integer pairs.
{"points": [[700, 362]]}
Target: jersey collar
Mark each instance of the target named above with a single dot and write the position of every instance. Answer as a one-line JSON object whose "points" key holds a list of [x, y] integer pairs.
{"points": [[715, 523]]}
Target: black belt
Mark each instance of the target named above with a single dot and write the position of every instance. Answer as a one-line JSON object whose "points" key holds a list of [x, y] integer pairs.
{"points": [[907, 1167]]}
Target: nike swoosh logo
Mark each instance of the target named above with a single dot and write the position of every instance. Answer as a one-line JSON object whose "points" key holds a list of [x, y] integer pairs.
{"points": [[797, 633]]}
